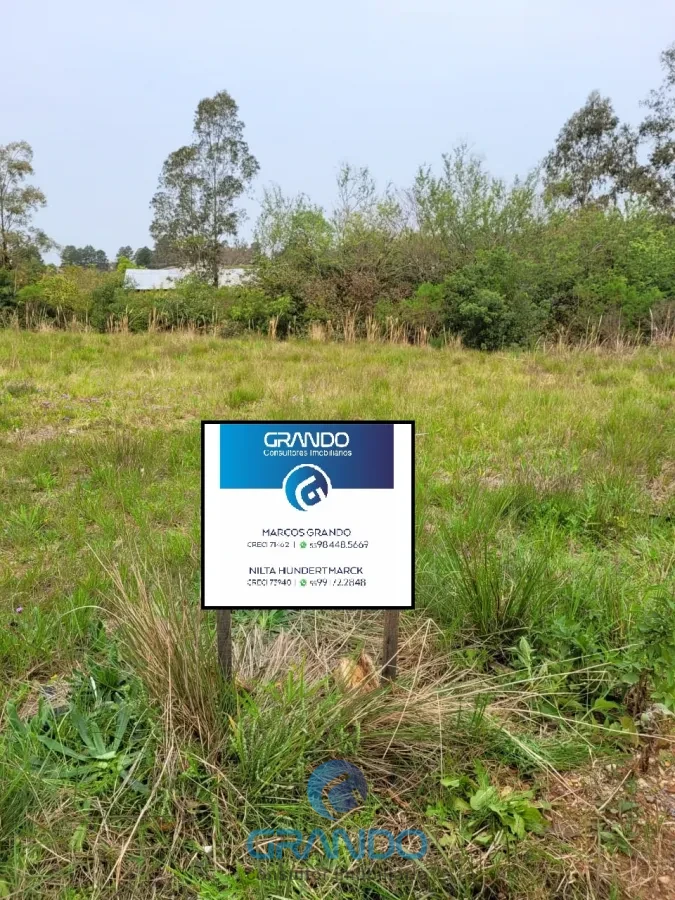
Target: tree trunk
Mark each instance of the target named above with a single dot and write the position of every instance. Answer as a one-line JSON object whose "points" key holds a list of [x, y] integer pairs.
{"points": [[4, 252]]}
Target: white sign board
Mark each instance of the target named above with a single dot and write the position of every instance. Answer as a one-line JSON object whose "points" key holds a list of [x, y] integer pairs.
{"points": [[308, 514]]}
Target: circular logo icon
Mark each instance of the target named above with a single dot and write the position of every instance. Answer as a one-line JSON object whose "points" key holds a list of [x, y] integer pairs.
{"points": [[305, 486], [344, 785]]}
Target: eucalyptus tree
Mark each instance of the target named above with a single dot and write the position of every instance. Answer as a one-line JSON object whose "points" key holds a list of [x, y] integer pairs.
{"points": [[194, 208], [18, 203]]}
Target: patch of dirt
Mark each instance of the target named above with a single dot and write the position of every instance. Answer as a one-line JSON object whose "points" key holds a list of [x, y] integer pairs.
{"points": [[491, 480], [541, 374], [662, 488], [557, 482], [28, 436], [55, 693], [620, 824]]}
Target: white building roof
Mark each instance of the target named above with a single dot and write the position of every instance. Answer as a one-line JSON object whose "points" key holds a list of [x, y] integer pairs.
{"points": [[165, 279], [152, 279]]}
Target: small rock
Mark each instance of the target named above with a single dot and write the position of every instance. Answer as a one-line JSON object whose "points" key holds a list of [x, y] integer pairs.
{"points": [[664, 879]]}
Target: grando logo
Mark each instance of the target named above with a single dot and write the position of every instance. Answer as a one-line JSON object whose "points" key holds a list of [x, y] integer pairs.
{"points": [[306, 439], [340, 785], [305, 486], [343, 795]]}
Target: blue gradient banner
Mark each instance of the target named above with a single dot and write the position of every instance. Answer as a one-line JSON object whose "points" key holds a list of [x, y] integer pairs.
{"points": [[359, 455]]}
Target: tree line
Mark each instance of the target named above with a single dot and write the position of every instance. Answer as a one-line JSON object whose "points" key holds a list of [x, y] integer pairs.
{"points": [[588, 237], [90, 257]]}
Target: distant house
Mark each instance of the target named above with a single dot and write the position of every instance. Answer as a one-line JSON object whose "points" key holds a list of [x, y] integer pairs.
{"points": [[165, 279], [152, 279]]}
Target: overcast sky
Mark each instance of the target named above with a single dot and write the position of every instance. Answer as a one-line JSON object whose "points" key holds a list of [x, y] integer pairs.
{"points": [[104, 91]]}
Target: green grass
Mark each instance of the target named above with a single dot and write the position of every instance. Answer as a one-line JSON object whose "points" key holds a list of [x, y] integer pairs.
{"points": [[545, 584]]}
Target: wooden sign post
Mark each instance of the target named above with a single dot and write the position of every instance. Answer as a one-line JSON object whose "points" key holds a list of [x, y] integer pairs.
{"points": [[390, 645], [314, 506]]}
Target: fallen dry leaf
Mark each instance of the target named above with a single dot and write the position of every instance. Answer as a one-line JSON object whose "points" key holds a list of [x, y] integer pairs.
{"points": [[359, 675]]}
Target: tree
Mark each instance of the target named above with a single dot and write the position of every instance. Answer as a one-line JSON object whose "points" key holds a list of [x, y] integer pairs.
{"points": [[126, 252], [658, 131], [166, 254], [194, 207], [101, 260], [292, 226], [143, 257], [70, 255], [464, 210], [18, 203], [594, 159], [357, 198], [87, 257], [7, 289]]}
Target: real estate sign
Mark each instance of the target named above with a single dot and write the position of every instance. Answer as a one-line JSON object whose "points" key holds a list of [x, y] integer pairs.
{"points": [[308, 514]]}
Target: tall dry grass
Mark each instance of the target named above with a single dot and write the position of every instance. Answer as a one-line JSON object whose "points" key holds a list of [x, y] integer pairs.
{"points": [[170, 644], [349, 327], [289, 680]]}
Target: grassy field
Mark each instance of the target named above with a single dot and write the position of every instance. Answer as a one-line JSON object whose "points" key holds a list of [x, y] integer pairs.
{"points": [[536, 674]]}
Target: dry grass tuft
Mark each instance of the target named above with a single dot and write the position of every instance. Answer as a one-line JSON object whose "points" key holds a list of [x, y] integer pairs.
{"points": [[170, 643], [272, 328], [317, 332], [349, 327], [172, 648], [372, 329]]}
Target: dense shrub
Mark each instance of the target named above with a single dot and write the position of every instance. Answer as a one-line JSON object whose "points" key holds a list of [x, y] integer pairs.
{"points": [[72, 291], [464, 253], [483, 320], [7, 291], [253, 308], [426, 308], [192, 300], [460, 253], [108, 301]]}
